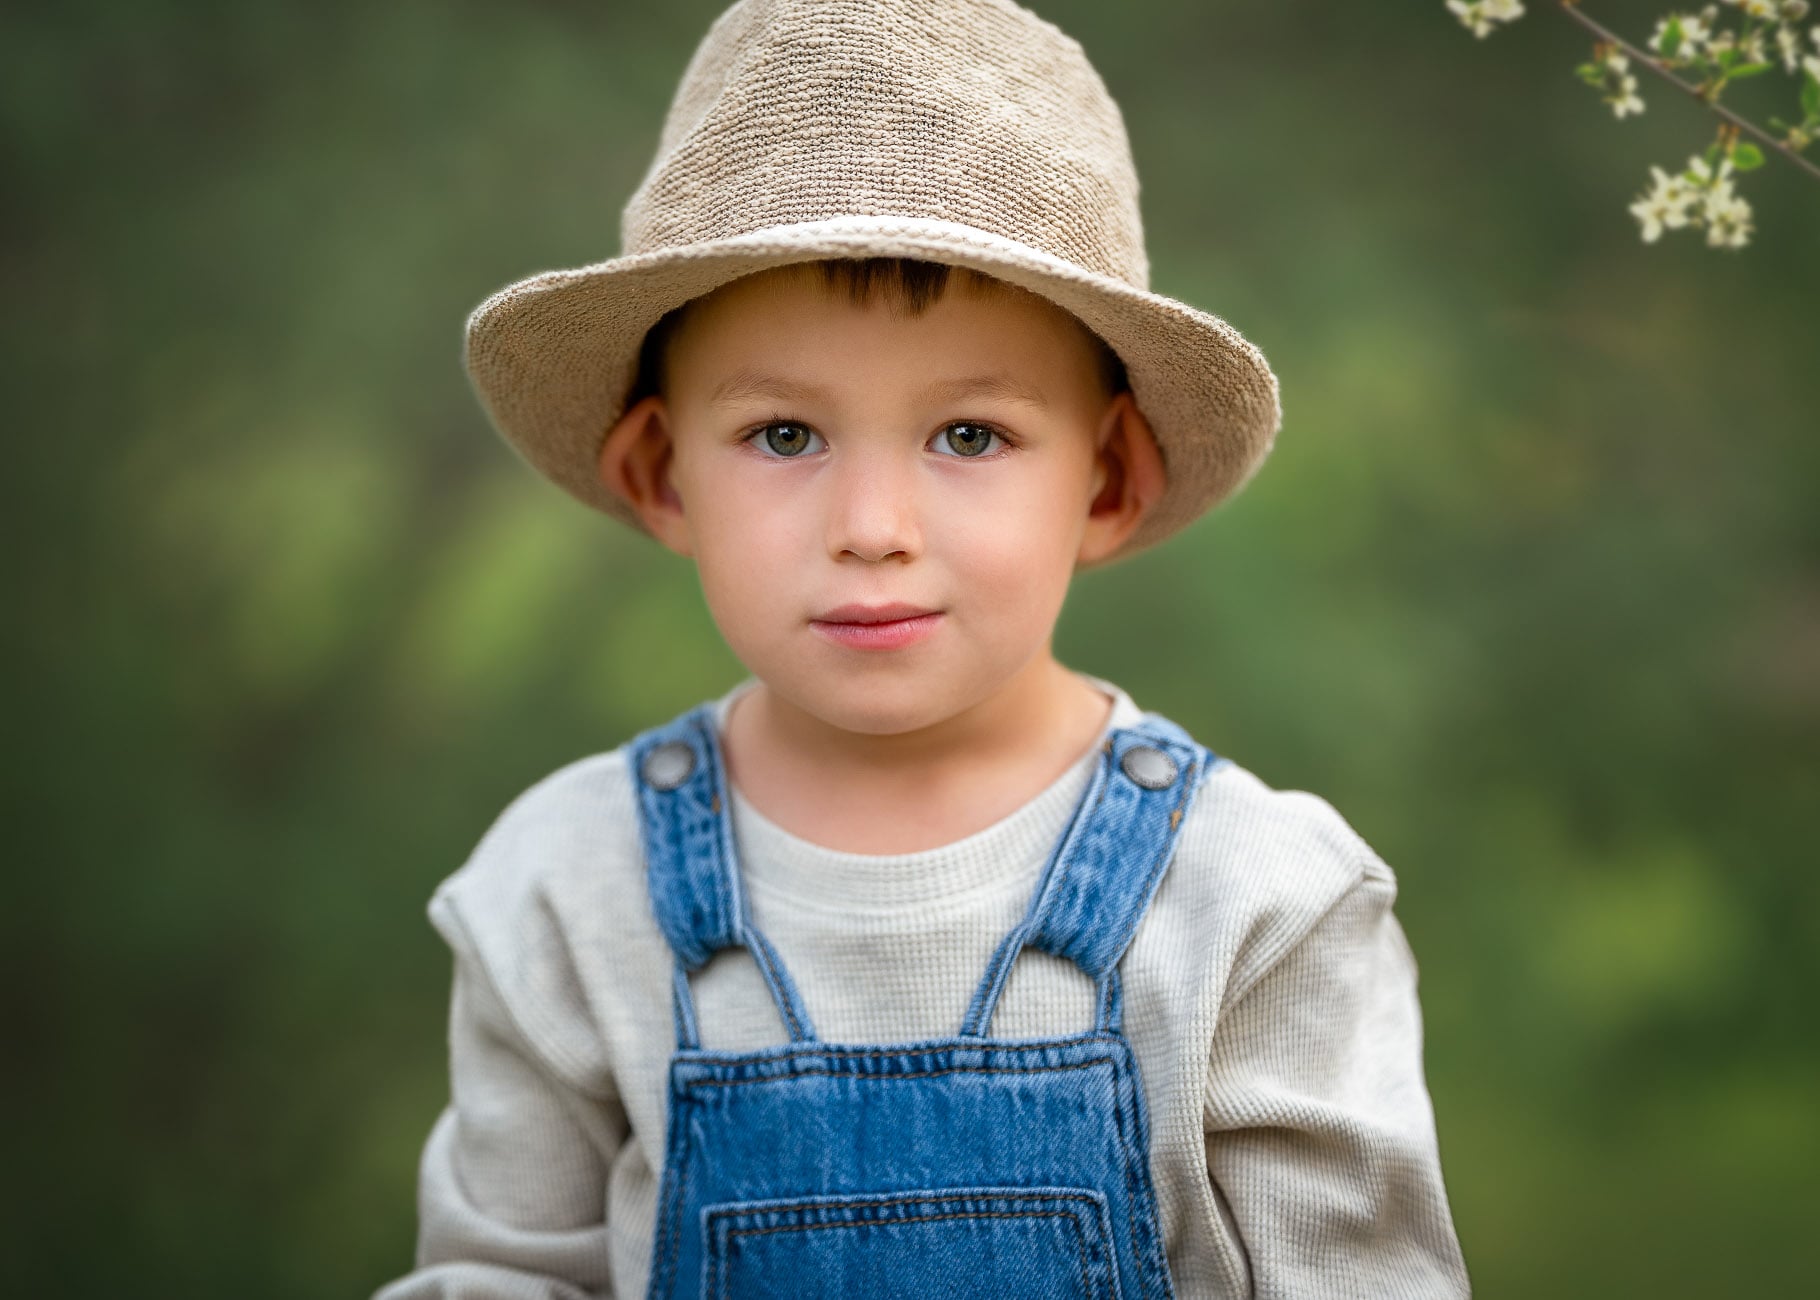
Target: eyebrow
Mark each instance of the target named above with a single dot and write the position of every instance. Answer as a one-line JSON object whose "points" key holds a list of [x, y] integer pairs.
{"points": [[744, 384]]}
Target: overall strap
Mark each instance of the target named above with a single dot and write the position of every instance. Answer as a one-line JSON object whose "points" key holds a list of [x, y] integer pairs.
{"points": [[1104, 870], [692, 870]]}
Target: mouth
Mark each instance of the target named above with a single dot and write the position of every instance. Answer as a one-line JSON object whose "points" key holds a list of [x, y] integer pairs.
{"points": [[868, 614], [877, 627]]}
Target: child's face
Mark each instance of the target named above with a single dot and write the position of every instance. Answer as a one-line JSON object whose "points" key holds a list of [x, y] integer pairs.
{"points": [[829, 464]]}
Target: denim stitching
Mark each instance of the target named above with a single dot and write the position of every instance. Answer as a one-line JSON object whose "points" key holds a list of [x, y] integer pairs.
{"points": [[1126, 1145], [1164, 856], [1145, 1245], [960, 1194], [1062, 863], [768, 963], [676, 1162], [919, 1074], [688, 1033], [992, 985], [1154, 1260], [726, 900], [726, 856], [710, 1056], [1065, 865], [1080, 1237], [1108, 1021]]}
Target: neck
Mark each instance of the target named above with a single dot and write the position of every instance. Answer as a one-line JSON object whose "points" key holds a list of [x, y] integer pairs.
{"points": [[914, 789]]}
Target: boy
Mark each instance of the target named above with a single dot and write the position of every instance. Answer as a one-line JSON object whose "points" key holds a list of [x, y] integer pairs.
{"points": [[917, 964]]}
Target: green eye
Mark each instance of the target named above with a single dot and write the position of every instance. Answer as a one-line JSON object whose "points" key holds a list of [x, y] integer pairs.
{"points": [[787, 439], [969, 439]]}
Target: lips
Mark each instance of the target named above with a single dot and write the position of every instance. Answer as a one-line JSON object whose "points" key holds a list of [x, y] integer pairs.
{"points": [[891, 613], [877, 627]]}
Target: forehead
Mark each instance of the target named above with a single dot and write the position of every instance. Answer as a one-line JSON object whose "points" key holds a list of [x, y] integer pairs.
{"points": [[791, 318]]}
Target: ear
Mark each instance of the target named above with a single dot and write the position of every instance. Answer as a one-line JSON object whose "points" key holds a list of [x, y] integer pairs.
{"points": [[636, 459], [1128, 478]]}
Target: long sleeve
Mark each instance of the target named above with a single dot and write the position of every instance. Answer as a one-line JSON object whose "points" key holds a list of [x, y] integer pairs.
{"points": [[1320, 1132], [512, 1184]]}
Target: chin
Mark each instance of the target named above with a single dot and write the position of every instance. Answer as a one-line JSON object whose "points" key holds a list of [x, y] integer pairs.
{"points": [[867, 706]]}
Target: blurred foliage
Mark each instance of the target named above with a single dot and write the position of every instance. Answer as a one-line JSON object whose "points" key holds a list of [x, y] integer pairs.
{"points": [[1530, 590]]}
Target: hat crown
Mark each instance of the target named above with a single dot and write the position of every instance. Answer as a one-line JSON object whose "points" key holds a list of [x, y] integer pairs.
{"points": [[971, 111]]}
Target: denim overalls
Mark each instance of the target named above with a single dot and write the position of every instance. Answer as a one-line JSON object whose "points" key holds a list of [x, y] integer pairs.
{"points": [[1008, 1168]]}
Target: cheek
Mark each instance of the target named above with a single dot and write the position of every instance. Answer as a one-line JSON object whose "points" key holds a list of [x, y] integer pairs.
{"points": [[742, 599], [1017, 550], [741, 541]]}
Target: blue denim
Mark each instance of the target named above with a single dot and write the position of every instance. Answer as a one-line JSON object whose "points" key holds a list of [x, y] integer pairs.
{"points": [[1011, 1168]]}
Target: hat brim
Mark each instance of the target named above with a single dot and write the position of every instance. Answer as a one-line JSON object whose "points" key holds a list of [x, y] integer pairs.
{"points": [[553, 357]]}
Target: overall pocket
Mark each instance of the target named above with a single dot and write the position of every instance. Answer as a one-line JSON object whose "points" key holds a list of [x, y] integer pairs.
{"points": [[1003, 1242]]}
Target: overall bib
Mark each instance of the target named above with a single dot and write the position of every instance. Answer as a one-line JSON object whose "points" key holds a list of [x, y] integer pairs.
{"points": [[1011, 1168]]}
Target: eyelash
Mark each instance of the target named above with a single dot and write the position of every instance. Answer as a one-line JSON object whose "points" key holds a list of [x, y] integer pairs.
{"points": [[756, 432]]}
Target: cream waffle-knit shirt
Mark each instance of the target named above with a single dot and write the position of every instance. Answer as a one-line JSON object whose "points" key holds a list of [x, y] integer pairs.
{"points": [[1270, 998]]}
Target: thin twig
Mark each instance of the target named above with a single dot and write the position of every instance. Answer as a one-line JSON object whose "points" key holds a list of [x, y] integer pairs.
{"points": [[1660, 69]]}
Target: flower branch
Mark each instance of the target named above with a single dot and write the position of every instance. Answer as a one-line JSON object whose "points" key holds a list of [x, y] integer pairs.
{"points": [[1705, 95], [1702, 195]]}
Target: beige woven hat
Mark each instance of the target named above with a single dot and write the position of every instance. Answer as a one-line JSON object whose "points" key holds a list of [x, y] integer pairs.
{"points": [[969, 132]]}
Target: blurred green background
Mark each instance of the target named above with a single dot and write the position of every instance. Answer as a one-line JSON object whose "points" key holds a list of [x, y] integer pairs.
{"points": [[1530, 590]]}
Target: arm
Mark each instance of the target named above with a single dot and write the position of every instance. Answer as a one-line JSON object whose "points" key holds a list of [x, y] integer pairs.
{"points": [[1320, 1132], [512, 1185]]}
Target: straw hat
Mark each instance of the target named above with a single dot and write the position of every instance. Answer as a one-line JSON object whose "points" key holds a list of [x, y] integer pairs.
{"points": [[969, 132]]}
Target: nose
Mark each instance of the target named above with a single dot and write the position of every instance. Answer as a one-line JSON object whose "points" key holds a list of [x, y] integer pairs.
{"points": [[872, 510]]}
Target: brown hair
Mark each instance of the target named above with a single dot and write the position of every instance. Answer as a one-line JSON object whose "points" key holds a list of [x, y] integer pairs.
{"points": [[909, 284]]}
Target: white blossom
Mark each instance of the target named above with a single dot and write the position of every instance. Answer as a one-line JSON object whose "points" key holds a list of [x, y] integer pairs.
{"points": [[1728, 220], [1479, 15], [1652, 210], [1681, 190], [1700, 197], [1472, 15], [1704, 174], [1626, 100], [1788, 45], [1665, 206]]}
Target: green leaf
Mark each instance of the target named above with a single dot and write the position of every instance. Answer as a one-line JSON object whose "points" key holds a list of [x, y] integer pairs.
{"points": [[1746, 157], [1669, 43], [1750, 70], [1810, 94], [1727, 58]]}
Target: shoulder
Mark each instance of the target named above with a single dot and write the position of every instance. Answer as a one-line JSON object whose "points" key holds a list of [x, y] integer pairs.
{"points": [[560, 823], [553, 887], [1257, 868]]}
